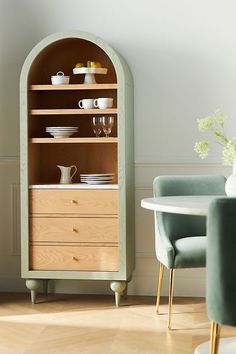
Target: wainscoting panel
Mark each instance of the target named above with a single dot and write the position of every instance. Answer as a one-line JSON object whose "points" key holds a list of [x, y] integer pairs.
{"points": [[10, 225]]}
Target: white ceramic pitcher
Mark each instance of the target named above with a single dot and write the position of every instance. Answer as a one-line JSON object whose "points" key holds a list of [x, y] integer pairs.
{"points": [[66, 176]]}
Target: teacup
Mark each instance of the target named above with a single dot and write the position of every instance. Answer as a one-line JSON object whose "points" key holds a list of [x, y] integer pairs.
{"points": [[103, 102], [86, 103]]}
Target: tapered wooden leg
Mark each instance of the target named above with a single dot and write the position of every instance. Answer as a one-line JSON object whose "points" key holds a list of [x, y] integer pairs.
{"points": [[33, 285], [118, 287], [159, 287], [215, 337], [171, 291]]}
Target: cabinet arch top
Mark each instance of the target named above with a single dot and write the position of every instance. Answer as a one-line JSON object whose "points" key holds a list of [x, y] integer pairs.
{"points": [[65, 50]]}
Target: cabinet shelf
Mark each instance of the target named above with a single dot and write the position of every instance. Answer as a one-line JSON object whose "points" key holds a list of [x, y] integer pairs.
{"points": [[73, 87], [102, 140], [74, 186], [72, 111]]}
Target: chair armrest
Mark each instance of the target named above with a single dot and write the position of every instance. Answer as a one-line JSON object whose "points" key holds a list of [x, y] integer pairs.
{"points": [[164, 250]]}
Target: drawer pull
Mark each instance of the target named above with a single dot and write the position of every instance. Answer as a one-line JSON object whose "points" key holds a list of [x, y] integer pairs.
{"points": [[75, 230], [73, 201], [75, 259]]}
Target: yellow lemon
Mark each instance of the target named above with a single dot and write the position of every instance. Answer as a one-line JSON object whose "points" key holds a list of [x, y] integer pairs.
{"points": [[79, 65], [93, 64]]}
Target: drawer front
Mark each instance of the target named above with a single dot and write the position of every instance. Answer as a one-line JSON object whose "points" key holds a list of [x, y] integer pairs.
{"points": [[56, 257], [73, 229], [74, 201]]}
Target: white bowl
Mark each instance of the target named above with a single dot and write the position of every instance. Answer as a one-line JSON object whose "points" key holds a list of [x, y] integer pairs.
{"points": [[61, 134], [60, 79]]}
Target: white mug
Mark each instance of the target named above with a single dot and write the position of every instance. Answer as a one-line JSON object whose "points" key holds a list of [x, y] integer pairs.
{"points": [[103, 102], [86, 103]]}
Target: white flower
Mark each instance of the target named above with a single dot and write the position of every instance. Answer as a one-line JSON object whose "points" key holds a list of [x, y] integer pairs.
{"points": [[219, 118], [202, 148], [215, 124], [229, 152], [211, 122]]}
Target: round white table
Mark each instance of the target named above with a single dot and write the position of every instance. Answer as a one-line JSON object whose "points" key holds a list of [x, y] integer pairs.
{"points": [[190, 205], [187, 204]]}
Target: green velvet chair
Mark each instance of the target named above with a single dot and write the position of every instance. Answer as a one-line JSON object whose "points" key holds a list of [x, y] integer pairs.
{"points": [[221, 270], [180, 240]]}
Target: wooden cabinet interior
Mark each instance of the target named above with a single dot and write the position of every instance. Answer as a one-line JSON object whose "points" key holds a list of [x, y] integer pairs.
{"points": [[89, 158], [67, 98], [97, 158], [38, 123], [63, 55]]}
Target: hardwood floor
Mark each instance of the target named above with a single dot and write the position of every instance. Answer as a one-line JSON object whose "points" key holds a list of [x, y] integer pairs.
{"points": [[91, 324]]}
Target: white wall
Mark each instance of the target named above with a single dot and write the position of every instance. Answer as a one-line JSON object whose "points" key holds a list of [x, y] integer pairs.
{"points": [[183, 58]]}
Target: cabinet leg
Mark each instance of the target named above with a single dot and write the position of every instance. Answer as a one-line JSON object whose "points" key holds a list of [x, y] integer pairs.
{"points": [[118, 287], [45, 286], [125, 292], [33, 285]]}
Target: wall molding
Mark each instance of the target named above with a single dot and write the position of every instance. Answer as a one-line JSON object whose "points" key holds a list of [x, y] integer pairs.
{"points": [[6, 160], [176, 164], [145, 254], [15, 218]]}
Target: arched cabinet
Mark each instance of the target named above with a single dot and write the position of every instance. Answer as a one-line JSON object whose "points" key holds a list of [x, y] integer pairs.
{"points": [[77, 230]]}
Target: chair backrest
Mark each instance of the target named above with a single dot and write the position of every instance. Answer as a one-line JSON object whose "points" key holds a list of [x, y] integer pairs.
{"points": [[221, 261], [178, 226]]}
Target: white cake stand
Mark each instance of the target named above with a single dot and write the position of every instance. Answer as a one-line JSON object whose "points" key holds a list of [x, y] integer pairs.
{"points": [[226, 346], [89, 77]]}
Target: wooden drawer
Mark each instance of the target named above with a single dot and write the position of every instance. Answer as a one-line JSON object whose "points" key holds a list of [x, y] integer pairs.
{"points": [[56, 257], [73, 229], [92, 202]]}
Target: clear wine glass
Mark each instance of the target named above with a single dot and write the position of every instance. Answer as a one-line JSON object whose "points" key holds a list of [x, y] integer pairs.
{"points": [[97, 125], [107, 124]]}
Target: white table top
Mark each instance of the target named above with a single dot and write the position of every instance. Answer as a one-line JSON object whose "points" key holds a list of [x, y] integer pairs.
{"points": [[188, 204]]}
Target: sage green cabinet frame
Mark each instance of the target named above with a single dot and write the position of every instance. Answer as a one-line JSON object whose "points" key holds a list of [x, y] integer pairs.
{"points": [[118, 280]]}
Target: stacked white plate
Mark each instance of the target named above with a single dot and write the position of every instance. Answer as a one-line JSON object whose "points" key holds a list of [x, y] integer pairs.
{"points": [[61, 132], [97, 178]]}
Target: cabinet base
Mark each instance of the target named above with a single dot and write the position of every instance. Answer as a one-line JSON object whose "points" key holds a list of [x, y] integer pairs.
{"points": [[118, 287]]}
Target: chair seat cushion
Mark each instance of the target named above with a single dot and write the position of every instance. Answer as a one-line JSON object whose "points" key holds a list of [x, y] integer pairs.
{"points": [[190, 252]]}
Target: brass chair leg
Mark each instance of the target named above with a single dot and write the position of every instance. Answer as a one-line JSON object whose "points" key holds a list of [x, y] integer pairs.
{"points": [[218, 329], [161, 271], [215, 336], [212, 336], [171, 291]]}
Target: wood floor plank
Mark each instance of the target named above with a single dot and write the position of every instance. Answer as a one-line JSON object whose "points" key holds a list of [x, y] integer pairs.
{"points": [[87, 324]]}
